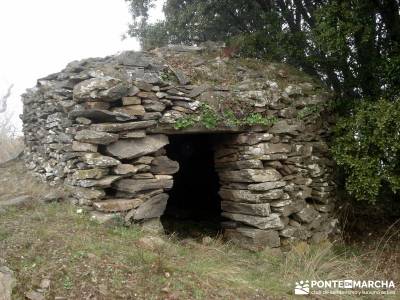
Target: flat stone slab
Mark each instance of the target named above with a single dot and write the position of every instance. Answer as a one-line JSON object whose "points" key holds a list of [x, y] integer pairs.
{"points": [[152, 208], [250, 197], [128, 149], [116, 127], [135, 186], [117, 205], [101, 115], [265, 186], [163, 165], [105, 89], [95, 137], [250, 175], [98, 160], [252, 238], [262, 209], [270, 222]]}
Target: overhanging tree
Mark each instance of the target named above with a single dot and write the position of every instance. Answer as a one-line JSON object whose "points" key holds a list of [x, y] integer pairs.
{"points": [[351, 45]]}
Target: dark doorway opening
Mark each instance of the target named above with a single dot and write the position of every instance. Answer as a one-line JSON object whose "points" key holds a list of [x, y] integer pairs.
{"points": [[194, 206]]}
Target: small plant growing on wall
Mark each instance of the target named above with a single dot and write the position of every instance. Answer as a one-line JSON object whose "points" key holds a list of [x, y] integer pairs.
{"points": [[210, 118]]}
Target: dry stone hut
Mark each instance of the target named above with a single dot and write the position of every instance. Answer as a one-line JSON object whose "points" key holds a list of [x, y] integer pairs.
{"points": [[141, 133]]}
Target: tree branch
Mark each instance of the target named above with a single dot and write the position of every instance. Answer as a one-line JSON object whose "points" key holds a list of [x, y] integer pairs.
{"points": [[3, 100]]}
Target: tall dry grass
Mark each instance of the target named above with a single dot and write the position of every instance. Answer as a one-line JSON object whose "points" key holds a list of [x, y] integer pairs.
{"points": [[377, 260], [11, 142]]}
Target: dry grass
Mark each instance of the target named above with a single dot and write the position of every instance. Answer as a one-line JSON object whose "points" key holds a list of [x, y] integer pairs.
{"points": [[86, 260], [14, 181]]}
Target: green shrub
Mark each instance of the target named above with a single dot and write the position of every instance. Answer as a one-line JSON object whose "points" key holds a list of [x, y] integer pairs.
{"points": [[367, 146]]}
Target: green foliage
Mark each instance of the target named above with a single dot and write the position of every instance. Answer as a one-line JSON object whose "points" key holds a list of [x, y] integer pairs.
{"points": [[184, 122], [367, 145], [258, 119], [210, 118], [350, 45]]}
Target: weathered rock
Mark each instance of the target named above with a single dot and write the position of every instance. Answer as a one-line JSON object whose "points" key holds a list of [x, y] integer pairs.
{"points": [[90, 174], [152, 225], [83, 147], [7, 283], [100, 89], [319, 237], [138, 134], [134, 187], [83, 120], [34, 295], [97, 105], [250, 175], [131, 110], [55, 196], [117, 205], [252, 138], [196, 91], [248, 196], [153, 105], [124, 169], [265, 186], [131, 100], [269, 222], [97, 160], [45, 284], [96, 137], [182, 78], [288, 232], [262, 149], [128, 149], [241, 164], [101, 115], [147, 160], [252, 238], [152, 208], [283, 127], [117, 127], [306, 215], [164, 165], [170, 117], [104, 182], [262, 209], [90, 194], [280, 203]]}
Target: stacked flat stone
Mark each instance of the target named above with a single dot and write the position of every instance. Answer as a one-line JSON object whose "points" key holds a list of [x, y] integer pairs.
{"points": [[101, 125]]}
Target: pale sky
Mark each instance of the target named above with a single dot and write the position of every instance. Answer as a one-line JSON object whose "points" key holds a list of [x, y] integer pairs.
{"points": [[41, 37]]}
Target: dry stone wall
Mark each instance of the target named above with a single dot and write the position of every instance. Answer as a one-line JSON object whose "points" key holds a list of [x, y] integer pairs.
{"points": [[100, 127]]}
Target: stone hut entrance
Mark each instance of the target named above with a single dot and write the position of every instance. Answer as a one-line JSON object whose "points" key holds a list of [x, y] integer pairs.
{"points": [[248, 136], [194, 203]]}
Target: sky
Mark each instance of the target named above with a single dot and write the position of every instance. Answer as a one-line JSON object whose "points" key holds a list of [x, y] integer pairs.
{"points": [[41, 37]]}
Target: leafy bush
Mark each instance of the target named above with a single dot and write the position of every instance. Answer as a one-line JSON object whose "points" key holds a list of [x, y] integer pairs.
{"points": [[367, 145]]}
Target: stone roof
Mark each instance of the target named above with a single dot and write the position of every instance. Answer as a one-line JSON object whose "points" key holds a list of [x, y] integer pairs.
{"points": [[191, 76]]}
